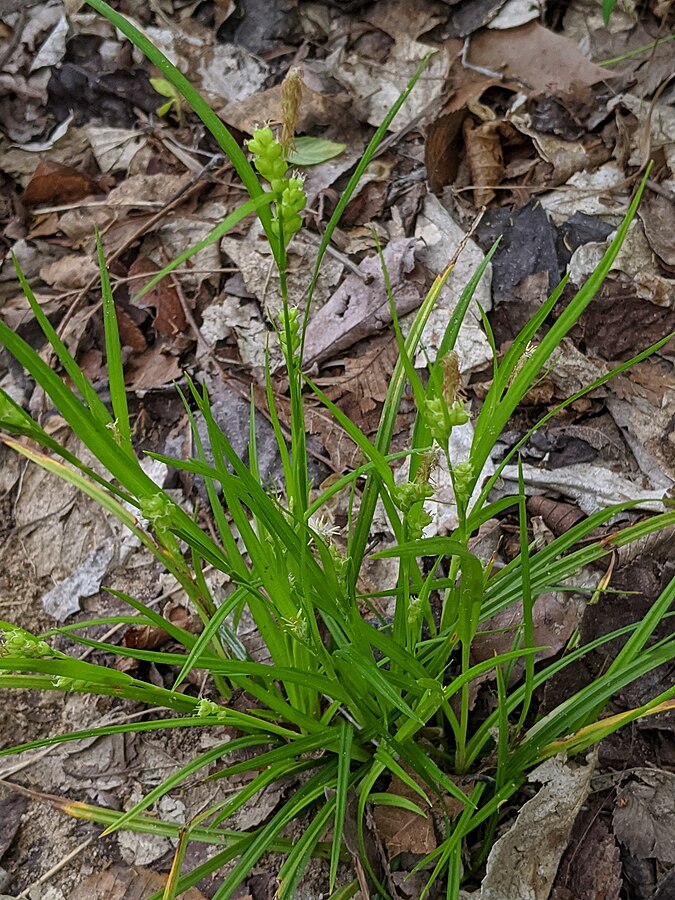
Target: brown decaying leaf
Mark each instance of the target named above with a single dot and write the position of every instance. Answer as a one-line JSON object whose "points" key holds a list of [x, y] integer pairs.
{"points": [[555, 616], [53, 182], [591, 866], [69, 273], [122, 883], [152, 369], [557, 516], [442, 149], [342, 452], [619, 324], [658, 217], [540, 60], [265, 106], [485, 158], [163, 298], [12, 808], [150, 637], [643, 816], [366, 376], [130, 334], [401, 830]]}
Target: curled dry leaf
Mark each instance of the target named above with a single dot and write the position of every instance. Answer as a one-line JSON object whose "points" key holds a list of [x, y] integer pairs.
{"points": [[485, 158], [150, 637], [557, 516]]}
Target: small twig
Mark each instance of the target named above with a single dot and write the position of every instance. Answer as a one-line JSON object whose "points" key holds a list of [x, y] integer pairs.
{"points": [[659, 189], [472, 67], [340, 257]]}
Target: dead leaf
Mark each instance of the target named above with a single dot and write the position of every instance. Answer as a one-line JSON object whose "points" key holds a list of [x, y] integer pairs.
{"points": [[541, 61], [440, 236], [367, 375], [442, 149], [523, 863], [591, 865], [163, 298], [485, 158], [69, 273], [555, 616], [52, 183], [152, 369], [130, 334], [401, 830], [558, 516], [591, 486], [340, 449], [360, 306], [658, 217], [643, 819], [466, 18], [529, 245], [316, 109], [122, 883], [376, 83], [150, 637], [63, 600]]}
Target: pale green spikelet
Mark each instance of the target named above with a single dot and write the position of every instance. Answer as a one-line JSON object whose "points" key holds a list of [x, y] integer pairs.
{"points": [[20, 643], [158, 510]]}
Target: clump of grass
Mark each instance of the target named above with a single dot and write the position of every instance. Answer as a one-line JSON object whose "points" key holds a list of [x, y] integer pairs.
{"points": [[347, 700]]}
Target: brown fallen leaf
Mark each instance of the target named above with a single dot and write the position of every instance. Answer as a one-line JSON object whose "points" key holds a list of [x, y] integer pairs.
{"points": [[442, 149], [52, 182], [342, 452], [315, 109], [555, 616], [122, 883], [152, 369], [557, 516], [366, 375], [643, 815], [401, 830], [163, 298], [150, 637], [591, 866], [130, 334], [658, 217], [540, 60], [69, 273]]}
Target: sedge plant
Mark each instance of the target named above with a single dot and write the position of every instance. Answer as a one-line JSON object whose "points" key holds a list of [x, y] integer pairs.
{"points": [[349, 701]]}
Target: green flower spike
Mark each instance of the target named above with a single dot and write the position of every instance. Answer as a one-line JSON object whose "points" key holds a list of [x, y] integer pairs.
{"points": [[158, 510], [268, 159], [20, 643], [462, 477]]}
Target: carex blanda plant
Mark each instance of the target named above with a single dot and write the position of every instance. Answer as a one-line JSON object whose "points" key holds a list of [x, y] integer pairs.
{"points": [[349, 700]]}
